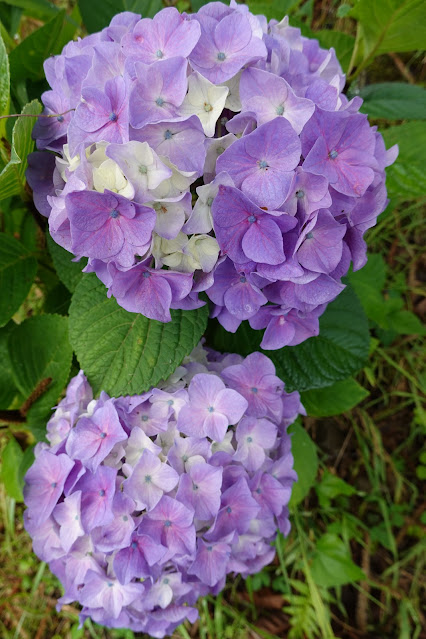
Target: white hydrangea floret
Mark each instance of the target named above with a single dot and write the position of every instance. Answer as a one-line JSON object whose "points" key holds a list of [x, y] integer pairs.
{"points": [[205, 100]]}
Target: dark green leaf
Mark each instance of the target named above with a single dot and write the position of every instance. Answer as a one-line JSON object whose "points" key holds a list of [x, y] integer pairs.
{"points": [[97, 14], [11, 459], [305, 463], [335, 399], [394, 101], [126, 353], [39, 351], [368, 284], [8, 390], [331, 487], [341, 42], [17, 270], [26, 462], [40, 9], [390, 25], [12, 177], [340, 350], [332, 565], [272, 9], [26, 60], [69, 272], [406, 179], [58, 300]]}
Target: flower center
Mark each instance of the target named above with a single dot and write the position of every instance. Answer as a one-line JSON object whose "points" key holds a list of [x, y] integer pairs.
{"points": [[207, 107], [254, 389], [333, 154], [251, 219], [103, 435], [194, 487], [309, 235], [170, 402], [300, 194], [60, 118], [263, 164], [167, 523], [219, 150], [145, 417], [143, 169], [243, 279], [159, 102], [159, 54], [102, 493], [53, 484], [134, 545], [209, 201], [210, 409], [147, 478], [114, 213], [221, 56], [229, 510], [113, 117], [146, 274], [279, 110], [249, 440], [168, 134]]}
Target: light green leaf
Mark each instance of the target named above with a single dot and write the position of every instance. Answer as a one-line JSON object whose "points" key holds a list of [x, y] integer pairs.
{"points": [[394, 101], [305, 463], [26, 60], [335, 399], [4, 86], [331, 487], [12, 177], [406, 323], [406, 179], [125, 353], [11, 459], [390, 25], [341, 42], [69, 272], [39, 351], [17, 270], [332, 564], [97, 14]]}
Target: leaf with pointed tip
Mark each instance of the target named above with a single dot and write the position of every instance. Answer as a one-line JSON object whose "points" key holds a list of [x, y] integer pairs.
{"points": [[17, 270]]}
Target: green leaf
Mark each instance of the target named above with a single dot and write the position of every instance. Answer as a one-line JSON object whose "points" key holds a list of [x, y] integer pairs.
{"points": [[305, 463], [340, 350], [272, 9], [331, 487], [97, 14], [341, 42], [39, 351], [26, 60], [125, 353], [394, 101], [332, 564], [12, 177], [26, 461], [40, 9], [406, 179], [17, 270], [11, 459], [8, 390], [368, 284], [335, 399], [69, 272], [4, 86], [406, 323], [390, 25]]}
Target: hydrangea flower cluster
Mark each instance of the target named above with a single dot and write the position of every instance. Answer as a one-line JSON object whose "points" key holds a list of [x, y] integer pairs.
{"points": [[209, 152], [141, 504]]}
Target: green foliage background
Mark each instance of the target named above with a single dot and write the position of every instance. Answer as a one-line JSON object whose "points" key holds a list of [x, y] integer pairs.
{"points": [[352, 566]]}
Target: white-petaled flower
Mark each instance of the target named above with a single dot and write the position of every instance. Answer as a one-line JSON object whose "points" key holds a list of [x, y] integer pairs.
{"points": [[171, 215], [214, 148], [66, 162], [109, 176], [233, 101], [201, 217], [205, 100], [187, 255], [175, 185], [141, 165]]}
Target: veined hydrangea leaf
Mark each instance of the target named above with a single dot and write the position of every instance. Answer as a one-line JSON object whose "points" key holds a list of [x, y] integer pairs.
{"points": [[394, 101], [17, 270], [97, 14], [40, 357], [334, 399], [69, 272], [305, 456], [126, 353]]}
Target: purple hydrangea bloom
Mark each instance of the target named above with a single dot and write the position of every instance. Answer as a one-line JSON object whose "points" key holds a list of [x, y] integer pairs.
{"points": [[148, 503], [236, 164]]}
